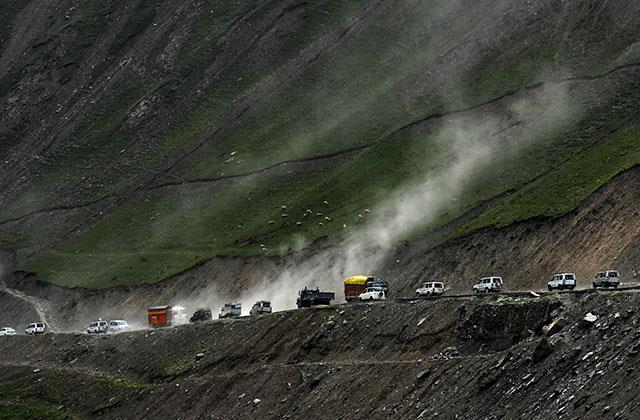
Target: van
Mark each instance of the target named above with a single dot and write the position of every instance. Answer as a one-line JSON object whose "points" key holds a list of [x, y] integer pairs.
{"points": [[36, 328], [431, 289], [98, 327], [562, 281], [488, 284]]}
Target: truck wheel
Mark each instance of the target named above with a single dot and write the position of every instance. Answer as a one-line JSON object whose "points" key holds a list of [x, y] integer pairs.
{"points": [[370, 297], [550, 288]]}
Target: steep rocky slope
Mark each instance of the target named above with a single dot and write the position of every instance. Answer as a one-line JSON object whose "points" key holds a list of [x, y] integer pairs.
{"points": [[464, 358]]}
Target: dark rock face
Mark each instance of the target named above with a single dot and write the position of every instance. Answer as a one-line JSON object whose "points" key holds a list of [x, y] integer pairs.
{"points": [[398, 364]]}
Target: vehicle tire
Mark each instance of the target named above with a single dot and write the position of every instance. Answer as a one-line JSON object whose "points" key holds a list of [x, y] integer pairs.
{"points": [[370, 297], [550, 288]]}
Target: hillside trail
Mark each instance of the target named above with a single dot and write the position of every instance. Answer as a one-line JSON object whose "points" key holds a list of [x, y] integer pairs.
{"points": [[38, 305]]}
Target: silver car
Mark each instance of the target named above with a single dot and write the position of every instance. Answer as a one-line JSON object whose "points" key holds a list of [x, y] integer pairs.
{"points": [[7, 331]]}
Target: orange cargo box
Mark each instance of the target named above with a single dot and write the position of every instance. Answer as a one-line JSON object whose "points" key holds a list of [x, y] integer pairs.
{"points": [[159, 316]]}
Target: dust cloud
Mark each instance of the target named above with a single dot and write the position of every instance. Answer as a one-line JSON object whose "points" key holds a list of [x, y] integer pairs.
{"points": [[473, 142]]}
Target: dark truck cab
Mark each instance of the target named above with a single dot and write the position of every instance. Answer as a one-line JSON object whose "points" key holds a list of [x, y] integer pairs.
{"points": [[309, 297]]}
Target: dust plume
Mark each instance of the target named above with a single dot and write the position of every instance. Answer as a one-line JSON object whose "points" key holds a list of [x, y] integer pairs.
{"points": [[472, 142]]}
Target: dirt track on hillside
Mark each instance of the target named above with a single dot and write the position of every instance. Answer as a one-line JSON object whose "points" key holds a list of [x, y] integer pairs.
{"points": [[602, 232]]}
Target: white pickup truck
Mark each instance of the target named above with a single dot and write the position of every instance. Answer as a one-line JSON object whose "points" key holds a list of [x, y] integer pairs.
{"points": [[562, 281]]}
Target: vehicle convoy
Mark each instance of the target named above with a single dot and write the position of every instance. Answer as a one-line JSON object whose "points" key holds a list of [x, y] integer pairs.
{"points": [[372, 293], [488, 284], [230, 310], [261, 307], [7, 331], [607, 278], [309, 297], [36, 328], [562, 281], [118, 325], [432, 288], [201, 315], [98, 327], [354, 286]]}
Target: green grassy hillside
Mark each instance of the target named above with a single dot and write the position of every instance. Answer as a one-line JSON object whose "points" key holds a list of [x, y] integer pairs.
{"points": [[141, 138]]}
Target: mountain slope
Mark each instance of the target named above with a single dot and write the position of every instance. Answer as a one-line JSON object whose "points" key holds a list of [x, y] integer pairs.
{"points": [[142, 138]]}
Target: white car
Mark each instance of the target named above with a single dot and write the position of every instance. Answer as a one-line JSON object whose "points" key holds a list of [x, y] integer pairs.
{"points": [[118, 325], [98, 327], [430, 289], [607, 278], [7, 331], [373, 293], [36, 328], [562, 281], [488, 284], [230, 310], [261, 307]]}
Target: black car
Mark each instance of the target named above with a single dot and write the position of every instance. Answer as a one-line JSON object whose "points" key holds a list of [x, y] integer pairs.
{"points": [[201, 315]]}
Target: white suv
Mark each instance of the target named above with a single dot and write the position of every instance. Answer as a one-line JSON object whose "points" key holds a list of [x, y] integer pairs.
{"points": [[36, 328], [373, 293], [488, 284], [7, 331], [562, 281], [430, 288], [118, 325], [98, 327], [607, 278]]}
